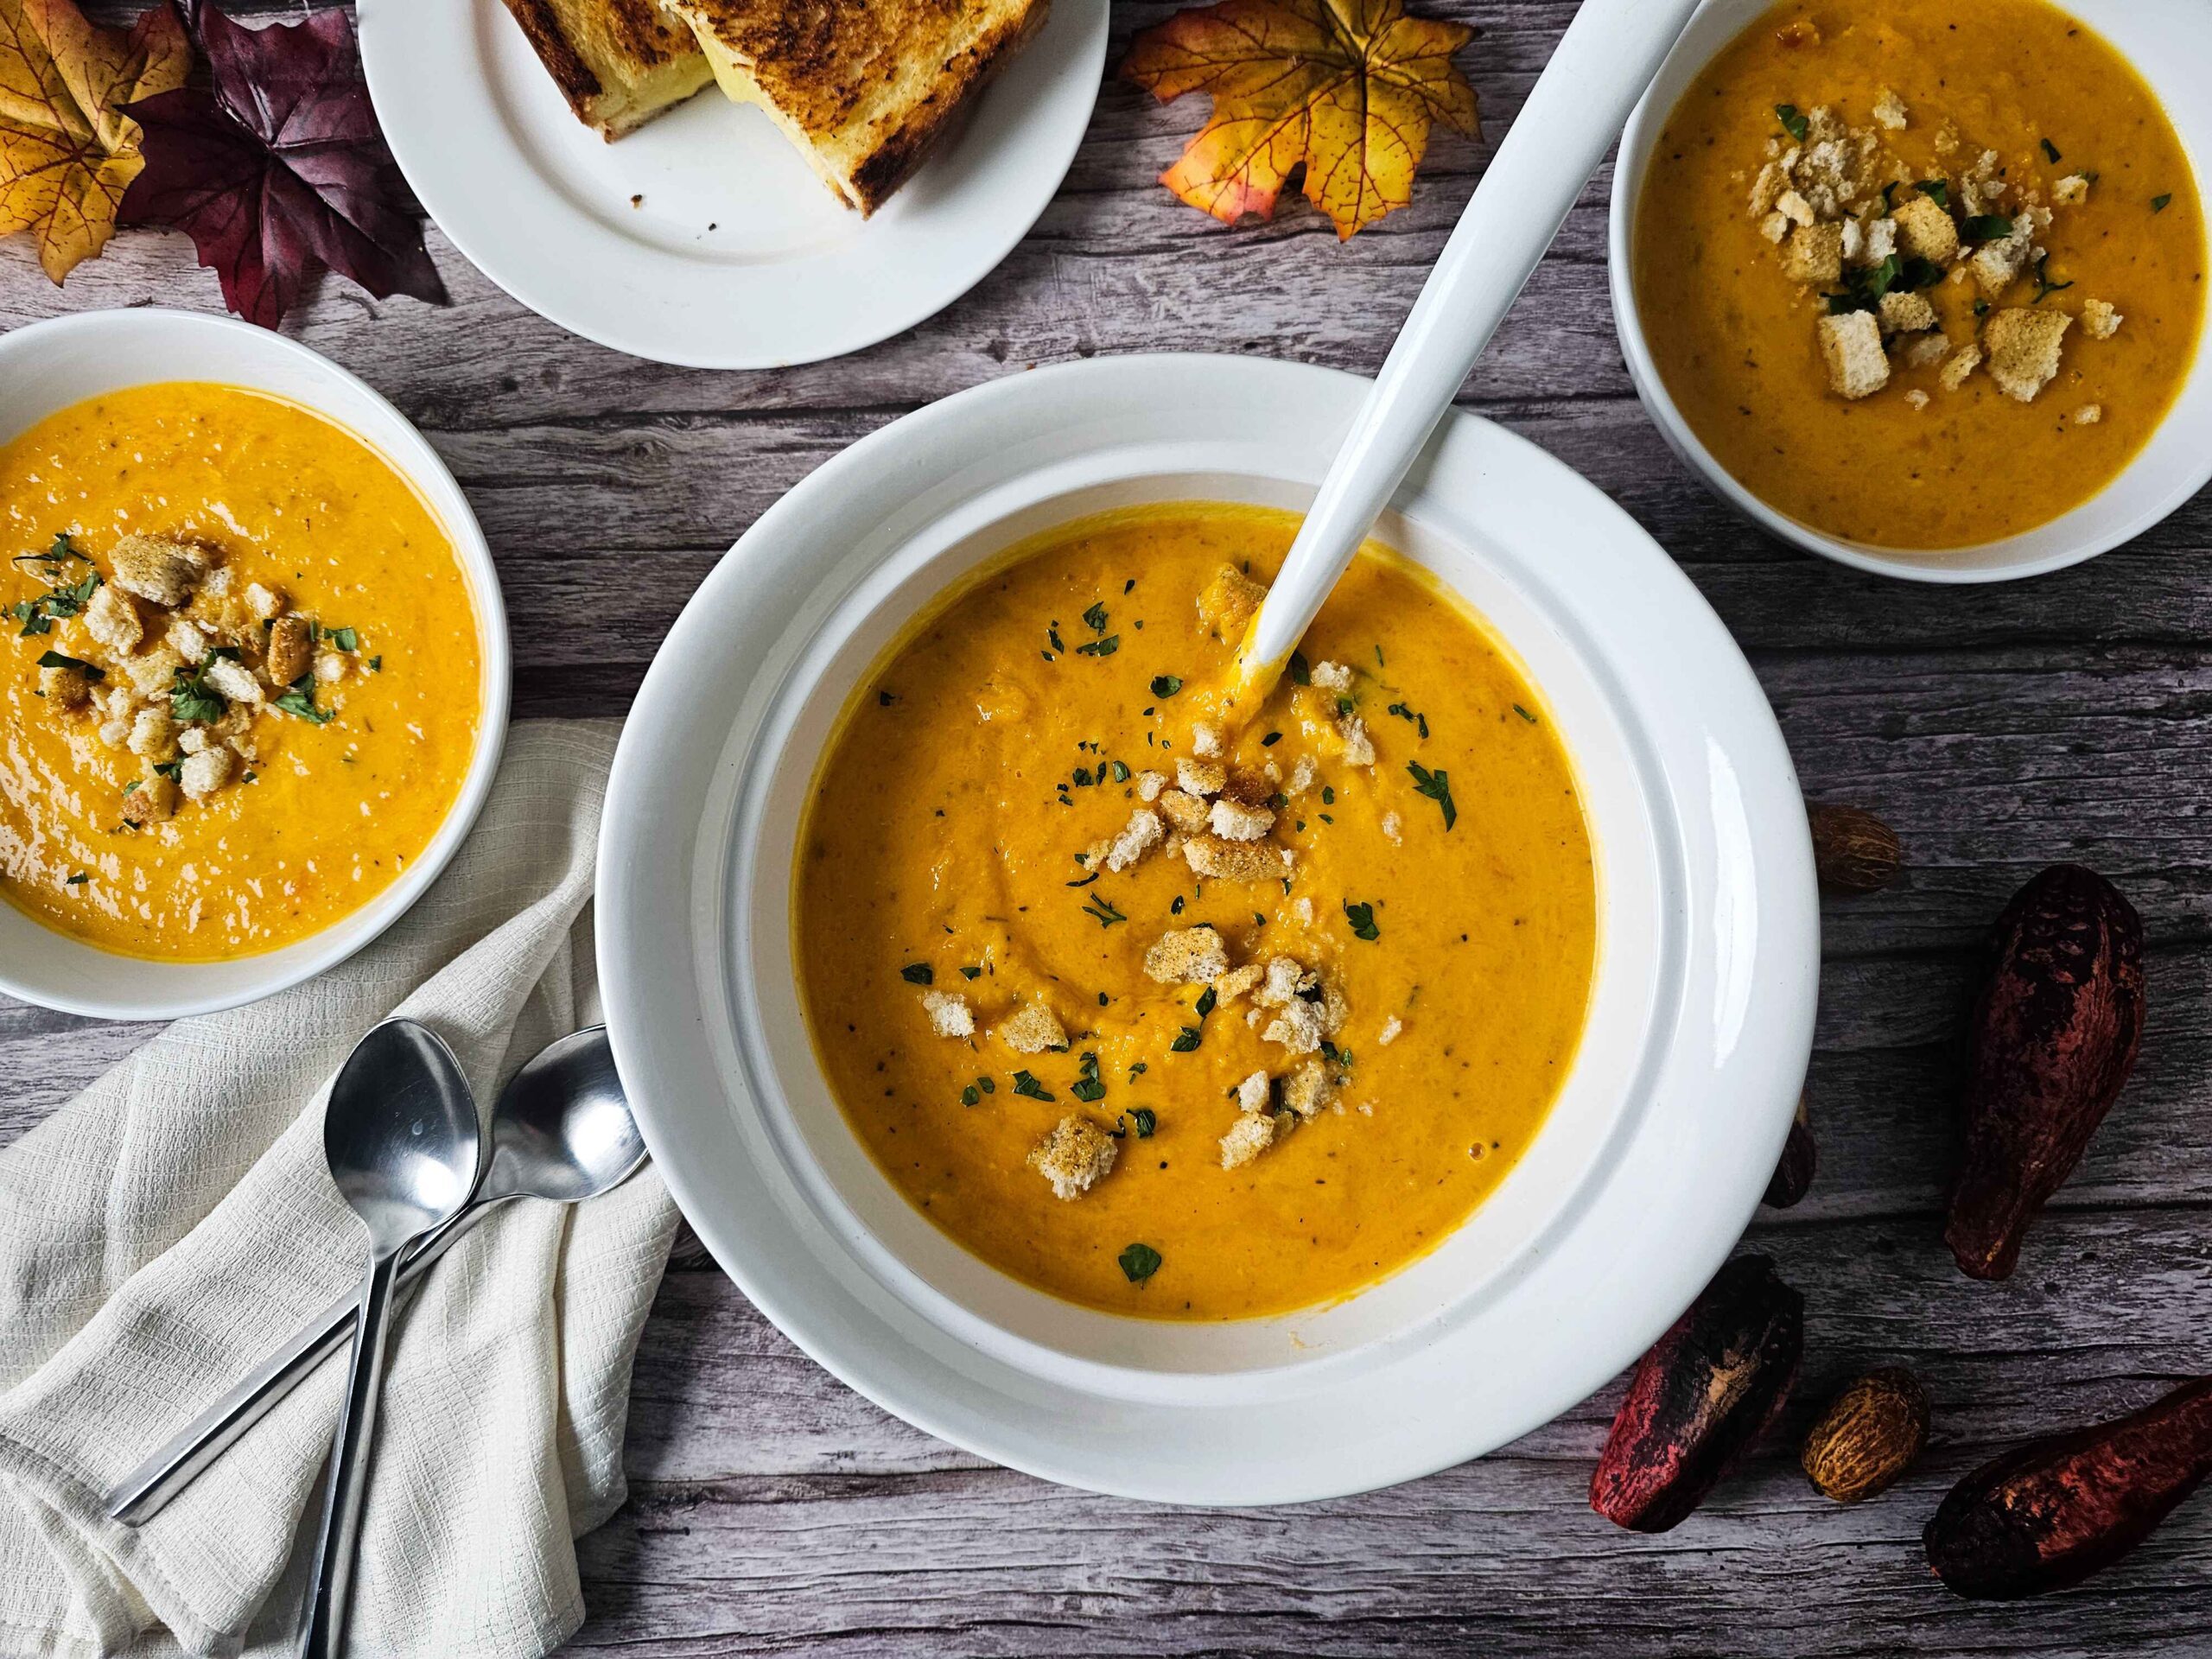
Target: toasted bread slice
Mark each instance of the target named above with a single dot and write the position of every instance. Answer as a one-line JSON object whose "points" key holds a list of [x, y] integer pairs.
{"points": [[863, 88], [618, 62]]}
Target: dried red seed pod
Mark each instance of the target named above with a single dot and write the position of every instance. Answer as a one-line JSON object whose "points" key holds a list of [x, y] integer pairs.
{"points": [[1700, 1396], [2052, 1512], [2054, 1038]]}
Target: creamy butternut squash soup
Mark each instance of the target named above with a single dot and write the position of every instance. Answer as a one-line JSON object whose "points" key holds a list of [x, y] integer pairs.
{"points": [[1921, 273], [1179, 1022], [243, 680]]}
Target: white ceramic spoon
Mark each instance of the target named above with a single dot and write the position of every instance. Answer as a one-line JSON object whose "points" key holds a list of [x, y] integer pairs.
{"points": [[1608, 56]]}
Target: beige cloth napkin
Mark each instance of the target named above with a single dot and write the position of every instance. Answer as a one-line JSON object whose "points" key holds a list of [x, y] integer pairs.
{"points": [[158, 1233]]}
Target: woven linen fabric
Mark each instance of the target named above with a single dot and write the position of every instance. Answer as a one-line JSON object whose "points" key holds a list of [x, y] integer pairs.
{"points": [[160, 1233]]}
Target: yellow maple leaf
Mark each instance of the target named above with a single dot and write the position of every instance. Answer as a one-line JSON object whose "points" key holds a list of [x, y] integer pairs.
{"points": [[1347, 89], [67, 152]]}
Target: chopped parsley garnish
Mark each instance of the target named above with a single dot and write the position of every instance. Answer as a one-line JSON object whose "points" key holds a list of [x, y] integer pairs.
{"points": [[194, 702], [1204, 1005], [916, 973], [1362, 918], [62, 598], [1138, 1070], [1437, 785], [1889, 197], [1105, 647], [55, 660], [1414, 716], [1793, 121], [1095, 618], [1087, 1085], [1087, 880], [299, 702], [986, 1085], [171, 770], [344, 638], [1139, 1263], [1345, 705], [1186, 1040], [1936, 190], [1120, 772], [79, 880], [883, 699], [1053, 634], [970, 1096], [1144, 1120], [1271, 739], [1301, 671], [1524, 714], [1176, 907], [1166, 686], [971, 973], [2159, 204], [2044, 286], [1986, 227], [376, 666], [1328, 795], [2051, 151], [1028, 1085], [1104, 910]]}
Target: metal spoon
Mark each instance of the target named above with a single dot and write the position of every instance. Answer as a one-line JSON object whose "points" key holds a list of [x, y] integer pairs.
{"points": [[562, 1130], [405, 1151]]}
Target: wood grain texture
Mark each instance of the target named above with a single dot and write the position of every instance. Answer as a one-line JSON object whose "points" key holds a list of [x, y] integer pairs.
{"points": [[1998, 728]]}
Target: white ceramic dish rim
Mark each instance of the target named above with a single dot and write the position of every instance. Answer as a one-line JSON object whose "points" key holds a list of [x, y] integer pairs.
{"points": [[520, 225], [2169, 43], [151, 345], [1648, 1231]]}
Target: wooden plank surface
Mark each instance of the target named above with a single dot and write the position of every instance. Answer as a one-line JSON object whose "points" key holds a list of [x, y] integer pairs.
{"points": [[1999, 729]]}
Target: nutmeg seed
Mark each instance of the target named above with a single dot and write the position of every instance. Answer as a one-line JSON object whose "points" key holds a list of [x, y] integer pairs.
{"points": [[1853, 851], [1873, 1431]]}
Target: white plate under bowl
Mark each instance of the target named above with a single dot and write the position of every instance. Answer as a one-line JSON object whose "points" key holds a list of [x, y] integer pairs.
{"points": [[1641, 1180], [49, 367], [733, 254], [2170, 44]]}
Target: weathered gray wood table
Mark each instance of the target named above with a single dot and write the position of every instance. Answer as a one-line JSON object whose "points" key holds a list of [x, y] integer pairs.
{"points": [[1998, 728]]}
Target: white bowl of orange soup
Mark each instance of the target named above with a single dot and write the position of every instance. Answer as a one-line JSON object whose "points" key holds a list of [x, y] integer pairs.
{"points": [[1557, 1026], [257, 664], [1968, 352]]}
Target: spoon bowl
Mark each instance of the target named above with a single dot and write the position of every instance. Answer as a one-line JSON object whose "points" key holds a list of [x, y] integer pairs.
{"points": [[562, 1128]]}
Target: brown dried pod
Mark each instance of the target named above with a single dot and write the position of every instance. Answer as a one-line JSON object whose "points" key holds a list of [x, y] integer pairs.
{"points": [[1853, 851], [1801, 1157], [2052, 1512], [1702, 1395], [2053, 1037], [1871, 1434]]}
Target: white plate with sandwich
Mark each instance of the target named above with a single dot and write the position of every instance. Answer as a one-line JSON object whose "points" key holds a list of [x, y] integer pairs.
{"points": [[734, 184]]}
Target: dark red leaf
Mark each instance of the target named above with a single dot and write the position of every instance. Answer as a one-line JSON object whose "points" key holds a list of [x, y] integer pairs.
{"points": [[280, 167]]}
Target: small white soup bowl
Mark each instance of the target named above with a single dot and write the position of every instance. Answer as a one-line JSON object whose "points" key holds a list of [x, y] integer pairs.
{"points": [[2170, 44], [47, 367], [1641, 1179]]}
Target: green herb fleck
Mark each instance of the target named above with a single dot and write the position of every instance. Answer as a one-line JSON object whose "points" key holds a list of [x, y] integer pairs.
{"points": [[1139, 1263], [1166, 686], [299, 702], [1524, 714], [1095, 618], [2159, 204], [1362, 918], [2044, 286], [1301, 671], [1028, 1085], [1437, 785], [1186, 1040], [1205, 1003], [1936, 190], [1087, 1085], [79, 880], [1793, 121], [1986, 227], [970, 1096], [191, 702], [55, 660], [916, 973], [1120, 772], [1104, 910], [1271, 739], [1328, 795], [2051, 151], [971, 973], [1144, 1120], [1105, 647]]}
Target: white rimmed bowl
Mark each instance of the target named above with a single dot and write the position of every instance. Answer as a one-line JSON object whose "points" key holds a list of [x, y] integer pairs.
{"points": [[47, 367], [1634, 1192], [2170, 44]]}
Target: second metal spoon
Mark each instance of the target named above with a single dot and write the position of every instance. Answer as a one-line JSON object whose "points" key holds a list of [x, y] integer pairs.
{"points": [[562, 1130]]}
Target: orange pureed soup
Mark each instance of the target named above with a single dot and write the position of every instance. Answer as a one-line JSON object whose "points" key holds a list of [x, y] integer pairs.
{"points": [[1189, 1035], [1921, 273], [241, 679]]}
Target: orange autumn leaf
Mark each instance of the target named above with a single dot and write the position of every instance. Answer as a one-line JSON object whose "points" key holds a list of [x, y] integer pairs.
{"points": [[67, 152], [1347, 89]]}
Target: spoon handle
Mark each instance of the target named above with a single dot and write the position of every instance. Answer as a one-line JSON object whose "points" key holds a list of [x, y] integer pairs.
{"points": [[146, 1491], [330, 1593], [1609, 55]]}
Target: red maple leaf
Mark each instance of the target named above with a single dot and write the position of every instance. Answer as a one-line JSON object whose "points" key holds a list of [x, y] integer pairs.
{"points": [[279, 167]]}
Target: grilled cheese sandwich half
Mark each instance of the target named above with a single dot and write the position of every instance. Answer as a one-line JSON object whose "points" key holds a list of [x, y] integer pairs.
{"points": [[618, 62], [864, 88]]}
